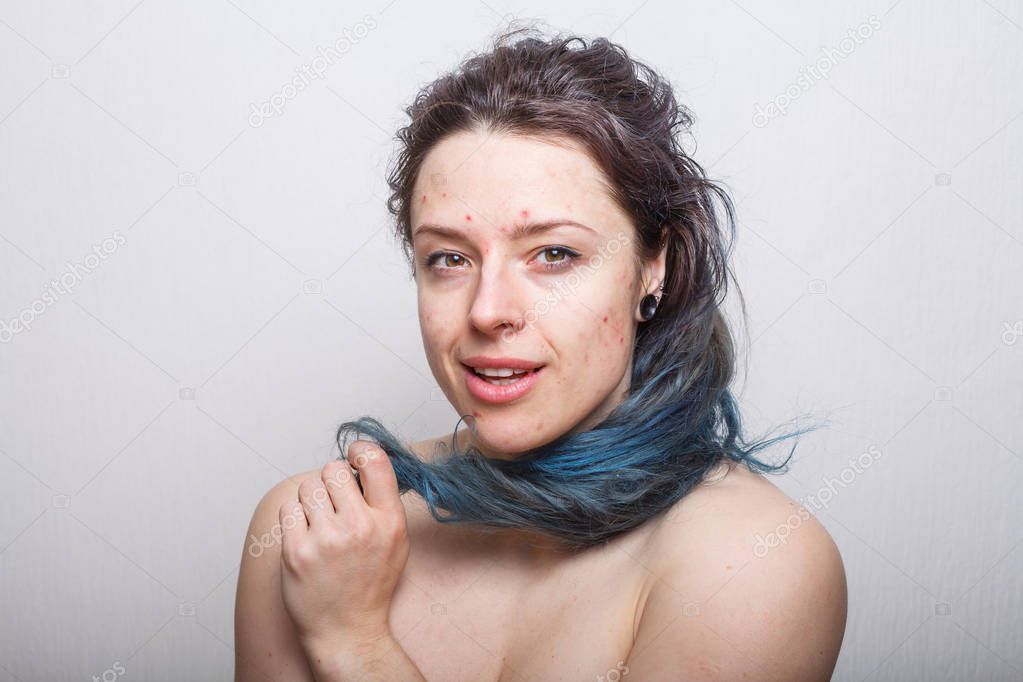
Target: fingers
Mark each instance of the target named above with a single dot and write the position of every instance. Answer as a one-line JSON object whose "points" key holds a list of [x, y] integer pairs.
{"points": [[315, 499], [337, 489], [293, 523], [379, 484], [342, 487]]}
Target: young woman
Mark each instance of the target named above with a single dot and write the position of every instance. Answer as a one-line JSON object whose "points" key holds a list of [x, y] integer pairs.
{"points": [[598, 519]]}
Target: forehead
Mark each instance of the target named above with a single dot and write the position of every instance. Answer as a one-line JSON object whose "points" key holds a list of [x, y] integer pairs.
{"points": [[501, 179]]}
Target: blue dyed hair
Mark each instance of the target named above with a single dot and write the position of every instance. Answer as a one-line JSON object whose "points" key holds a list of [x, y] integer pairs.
{"points": [[679, 419]]}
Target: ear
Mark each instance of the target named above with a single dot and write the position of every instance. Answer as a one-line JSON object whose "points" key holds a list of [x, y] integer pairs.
{"points": [[654, 270], [652, 275]]}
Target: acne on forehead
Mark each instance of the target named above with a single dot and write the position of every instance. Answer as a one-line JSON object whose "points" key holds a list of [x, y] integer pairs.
{"points": [[554, 178]]}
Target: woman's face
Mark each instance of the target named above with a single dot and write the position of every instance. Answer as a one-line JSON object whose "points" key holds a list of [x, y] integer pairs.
{"points": [[564, 298]]}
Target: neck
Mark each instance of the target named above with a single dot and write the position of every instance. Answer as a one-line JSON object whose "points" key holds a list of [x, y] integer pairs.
{"points": [[520, 545]]}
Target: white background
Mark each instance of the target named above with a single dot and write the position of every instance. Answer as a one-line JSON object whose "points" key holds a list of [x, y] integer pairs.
{"points": [[258, 299]]}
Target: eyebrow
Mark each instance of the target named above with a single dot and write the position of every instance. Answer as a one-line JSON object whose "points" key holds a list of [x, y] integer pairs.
{"points": [[520, 231]]}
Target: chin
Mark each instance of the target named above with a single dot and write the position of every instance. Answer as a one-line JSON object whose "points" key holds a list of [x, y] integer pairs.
{"points": [[505, 437]]}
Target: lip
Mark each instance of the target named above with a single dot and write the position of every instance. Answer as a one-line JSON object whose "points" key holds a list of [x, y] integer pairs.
{"points": [[491, 393], [497, 363]]}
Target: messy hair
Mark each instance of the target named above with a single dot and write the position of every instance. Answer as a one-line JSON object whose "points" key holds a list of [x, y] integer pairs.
{"points": [[679, 419]]}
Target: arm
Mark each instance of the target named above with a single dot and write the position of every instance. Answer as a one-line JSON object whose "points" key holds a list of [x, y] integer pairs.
{"points": [[381, 659], [722, 609], [266, 644]]}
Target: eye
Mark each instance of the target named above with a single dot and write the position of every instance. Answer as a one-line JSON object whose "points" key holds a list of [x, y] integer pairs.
{"points": [[452, 260], [557, 258], [562, 257]]}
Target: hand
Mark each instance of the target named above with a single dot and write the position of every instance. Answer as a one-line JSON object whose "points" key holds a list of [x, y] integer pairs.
{"points": [[343, 551]]}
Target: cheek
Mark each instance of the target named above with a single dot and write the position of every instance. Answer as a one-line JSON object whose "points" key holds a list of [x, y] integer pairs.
{"points": [[605, 319], [601, 350], [612, 339], [433, 323], [613, 329]]}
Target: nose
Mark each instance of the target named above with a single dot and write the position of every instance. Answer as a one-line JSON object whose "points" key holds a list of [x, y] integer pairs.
{"points": [[496, 305]]}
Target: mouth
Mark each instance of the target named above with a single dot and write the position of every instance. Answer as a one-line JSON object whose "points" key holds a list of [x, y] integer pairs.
{"points": [[502, 377], [500, 385]]}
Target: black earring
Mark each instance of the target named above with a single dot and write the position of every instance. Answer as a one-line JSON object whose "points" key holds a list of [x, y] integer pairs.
{"points": [[648, 306]]}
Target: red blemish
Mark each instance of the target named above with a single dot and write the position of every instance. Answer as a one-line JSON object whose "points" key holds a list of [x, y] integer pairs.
{"points": [[443, 194], [475, 413], [605, 318], [468, 217], [525, 213], [621, 339]]}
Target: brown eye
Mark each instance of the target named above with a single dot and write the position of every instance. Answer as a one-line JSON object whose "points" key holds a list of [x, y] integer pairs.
{"points": [[557, 252], [561, 260], [452, 261]]}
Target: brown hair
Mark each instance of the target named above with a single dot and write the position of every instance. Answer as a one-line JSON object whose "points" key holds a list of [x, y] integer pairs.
{"points": [[680, 418]]}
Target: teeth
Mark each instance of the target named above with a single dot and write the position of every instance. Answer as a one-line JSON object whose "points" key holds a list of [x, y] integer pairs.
{"points": [[501, 382], [502, 372]]}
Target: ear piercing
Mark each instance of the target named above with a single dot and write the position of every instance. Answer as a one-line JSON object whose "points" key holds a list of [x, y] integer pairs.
{"points": [[648, 305]]}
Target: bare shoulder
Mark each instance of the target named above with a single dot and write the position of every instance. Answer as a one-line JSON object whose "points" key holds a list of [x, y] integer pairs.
{"points": [[266, 646], [748, 585]]}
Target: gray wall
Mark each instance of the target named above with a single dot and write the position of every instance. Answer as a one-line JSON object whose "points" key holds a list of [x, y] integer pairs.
{"points": [[193, 296]]}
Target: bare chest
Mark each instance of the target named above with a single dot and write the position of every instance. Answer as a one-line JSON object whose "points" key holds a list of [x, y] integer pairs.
{"points": [[480, 617]]}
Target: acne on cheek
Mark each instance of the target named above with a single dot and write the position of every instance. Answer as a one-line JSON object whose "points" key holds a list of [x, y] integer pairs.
{"points": [[616, 327], [615, 321]]}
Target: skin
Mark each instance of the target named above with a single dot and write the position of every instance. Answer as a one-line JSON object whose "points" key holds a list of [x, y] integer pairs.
{"points": [[470, 301], [483, 294], [698, 599]]}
